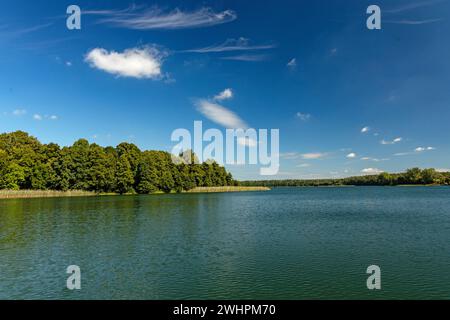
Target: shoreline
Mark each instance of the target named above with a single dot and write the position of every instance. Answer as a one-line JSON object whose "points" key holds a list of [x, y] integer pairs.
{"points": [[35, 194], [31, 194], [226, 189], [355, 185]]}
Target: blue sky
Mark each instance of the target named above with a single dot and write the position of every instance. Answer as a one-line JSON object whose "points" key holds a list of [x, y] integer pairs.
{"points": [[136, 71]]}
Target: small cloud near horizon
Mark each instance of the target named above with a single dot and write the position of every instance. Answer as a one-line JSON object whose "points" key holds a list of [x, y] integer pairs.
{"points": [[387, 142], [371, 171]]}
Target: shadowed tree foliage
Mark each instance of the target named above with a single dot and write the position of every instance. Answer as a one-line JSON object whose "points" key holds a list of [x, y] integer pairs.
{"points": [[25, 163]]}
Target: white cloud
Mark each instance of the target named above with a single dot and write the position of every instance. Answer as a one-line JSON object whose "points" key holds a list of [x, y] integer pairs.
{"points": [[139, 63], [442, 170], [37, 117], [303, 116], [224, 95], [365, 129], [290, 155], [53, 117], [155, 18], [220, 114], [421, 149], [68, 63], [396, 140], [351, 155], [241, 44], [303, 165], [371, 171], [292, 64], [19, 112], [313, 156]]}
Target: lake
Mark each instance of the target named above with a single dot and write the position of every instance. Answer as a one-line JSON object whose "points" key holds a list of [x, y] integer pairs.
{"points": [[287, 243]]}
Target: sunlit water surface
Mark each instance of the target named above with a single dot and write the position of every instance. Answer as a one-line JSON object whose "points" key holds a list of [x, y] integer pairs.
{"points": [[288, 243]]}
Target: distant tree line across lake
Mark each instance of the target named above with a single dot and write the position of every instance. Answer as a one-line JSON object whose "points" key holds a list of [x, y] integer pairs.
{"points": [[414, 176], [27, 164]]}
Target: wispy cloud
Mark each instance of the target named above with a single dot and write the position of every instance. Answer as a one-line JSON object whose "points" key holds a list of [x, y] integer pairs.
{"points": [[241, 44], [365, 129], [313, 156], [374, 159], [139, 18], [220, 114], [248, 57], [290, 155], [303, 116], [412, 22], [17, 32], [224, 95], [37, 117], [138, 63], [304, 156], [292, 64], [411, 6], [396, 140], [19, 112], [415, 151]]}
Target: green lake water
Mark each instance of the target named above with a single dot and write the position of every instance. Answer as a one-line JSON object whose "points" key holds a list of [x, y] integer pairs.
{"points": [[288, 243]]}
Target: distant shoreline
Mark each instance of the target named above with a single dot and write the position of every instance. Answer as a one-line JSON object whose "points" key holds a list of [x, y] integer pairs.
{"points": [[226, 189], [31, 194], [355, 185]]}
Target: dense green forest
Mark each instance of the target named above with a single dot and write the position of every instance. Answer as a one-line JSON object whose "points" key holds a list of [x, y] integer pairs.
{"points": [[414, 176], [25, 163]]}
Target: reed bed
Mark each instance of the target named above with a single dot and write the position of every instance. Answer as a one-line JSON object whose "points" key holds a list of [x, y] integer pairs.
{"points": [[226, 189], [23, 194]]}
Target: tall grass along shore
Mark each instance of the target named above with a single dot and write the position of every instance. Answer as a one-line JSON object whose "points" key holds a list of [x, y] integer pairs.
{"points": [[24, 194], [226, 189], [20, 194]]}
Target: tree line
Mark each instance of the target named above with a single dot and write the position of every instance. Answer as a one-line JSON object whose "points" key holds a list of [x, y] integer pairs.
{"points": [[414, 176], [26, 163]]}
